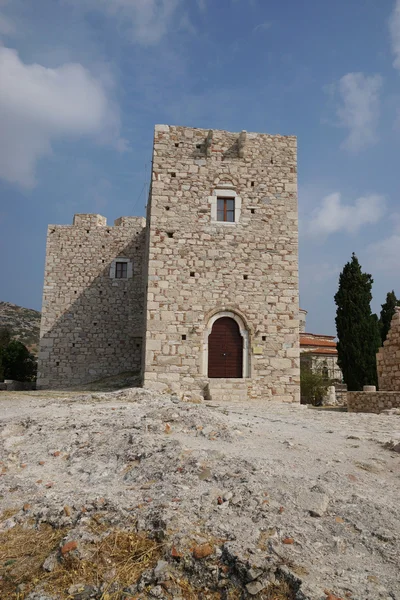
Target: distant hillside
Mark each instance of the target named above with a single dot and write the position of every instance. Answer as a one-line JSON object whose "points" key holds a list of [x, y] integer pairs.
{"points": [[23, 322]]}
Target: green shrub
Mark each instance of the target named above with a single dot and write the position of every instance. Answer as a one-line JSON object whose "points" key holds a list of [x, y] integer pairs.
{"points": [[16, 362], [313, 384]]}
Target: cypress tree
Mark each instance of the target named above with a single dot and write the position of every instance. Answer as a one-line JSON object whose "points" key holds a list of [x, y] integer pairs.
{"points": [[357, 328], [387, 312]]}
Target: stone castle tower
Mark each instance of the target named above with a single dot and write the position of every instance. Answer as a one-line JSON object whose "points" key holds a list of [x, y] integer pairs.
{"points": [[203, 295]]}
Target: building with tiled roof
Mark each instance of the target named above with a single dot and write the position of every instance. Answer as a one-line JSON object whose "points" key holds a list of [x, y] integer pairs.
{"points": [[319, 351]]}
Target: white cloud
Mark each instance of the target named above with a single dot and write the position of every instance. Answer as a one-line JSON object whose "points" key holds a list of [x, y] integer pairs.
{"points": [[318, 273], [359, 109], [395, 221], [39, 105], [332, 216], [394, 27], [147, 21], [263, 26], [384, 255]]}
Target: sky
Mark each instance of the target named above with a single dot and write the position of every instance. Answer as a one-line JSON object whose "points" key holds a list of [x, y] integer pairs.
{"points": [[83, 82]]}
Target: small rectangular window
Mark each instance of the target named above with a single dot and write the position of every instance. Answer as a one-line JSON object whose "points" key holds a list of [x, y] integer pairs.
{"points": [[226, 209], [121, 270]]}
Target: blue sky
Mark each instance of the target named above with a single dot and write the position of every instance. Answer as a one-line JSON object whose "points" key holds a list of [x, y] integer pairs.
{"points": [[82, 83]]}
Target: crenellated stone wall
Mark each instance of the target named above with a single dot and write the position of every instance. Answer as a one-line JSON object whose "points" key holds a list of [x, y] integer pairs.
{"points": [[92, 323], [200, 268]]}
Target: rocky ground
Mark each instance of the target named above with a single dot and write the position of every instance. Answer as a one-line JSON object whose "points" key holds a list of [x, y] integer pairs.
{"points": [[220, 501]]}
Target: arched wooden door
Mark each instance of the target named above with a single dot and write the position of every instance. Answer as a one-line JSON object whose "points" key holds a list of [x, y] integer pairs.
{"points": [[225, 349]]}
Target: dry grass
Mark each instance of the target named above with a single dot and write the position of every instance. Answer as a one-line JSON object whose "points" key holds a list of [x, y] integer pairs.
{"points": [[189, 592], [115, 561], [278, 591], [22, 553], [8, 513], [120, 557]]}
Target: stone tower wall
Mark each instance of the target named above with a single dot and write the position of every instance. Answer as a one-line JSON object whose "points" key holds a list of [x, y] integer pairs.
{"points": [[92, 323], [199, 267], [388, 358]]}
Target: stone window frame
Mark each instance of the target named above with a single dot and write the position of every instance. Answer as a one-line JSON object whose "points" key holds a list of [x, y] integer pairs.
{"points": [[120, 259], [225, 192]]}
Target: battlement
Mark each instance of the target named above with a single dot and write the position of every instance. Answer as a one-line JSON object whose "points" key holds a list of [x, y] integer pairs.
{"points": [[89, 220], [219, 145]]}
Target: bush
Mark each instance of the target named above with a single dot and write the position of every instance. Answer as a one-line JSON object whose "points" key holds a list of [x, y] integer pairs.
{"points": [[16, 362], [313, 385]]}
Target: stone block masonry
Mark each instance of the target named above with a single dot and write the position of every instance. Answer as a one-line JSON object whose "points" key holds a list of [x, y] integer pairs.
{"points": [[388, 357], [372, 402], [209, 280], [92, 321], [203, 267], [388, 365]]}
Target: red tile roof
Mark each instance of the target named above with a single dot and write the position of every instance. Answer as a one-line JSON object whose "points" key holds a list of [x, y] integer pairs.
{"points": [[331, 351], [328, 341]]}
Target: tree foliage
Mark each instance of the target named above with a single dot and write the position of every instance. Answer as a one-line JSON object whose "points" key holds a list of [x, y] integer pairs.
{"points": [[357, 328], [387, 312], [5, 337], [313, 383], [17, 362]]}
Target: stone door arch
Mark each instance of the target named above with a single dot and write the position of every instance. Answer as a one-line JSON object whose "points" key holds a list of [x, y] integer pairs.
{"points": [[225, 349]]}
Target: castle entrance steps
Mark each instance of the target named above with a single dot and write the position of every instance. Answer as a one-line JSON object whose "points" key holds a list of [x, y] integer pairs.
{"points": [[229, 389]]}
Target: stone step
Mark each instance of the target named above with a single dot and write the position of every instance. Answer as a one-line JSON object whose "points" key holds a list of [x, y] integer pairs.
{"points": [[228, 389]]}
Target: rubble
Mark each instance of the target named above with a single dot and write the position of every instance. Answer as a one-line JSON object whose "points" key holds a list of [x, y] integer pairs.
{"points": [[236, 497]]}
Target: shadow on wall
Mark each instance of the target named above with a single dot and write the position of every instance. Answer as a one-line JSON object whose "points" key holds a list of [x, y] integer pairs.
{"points": [[92, 325]]}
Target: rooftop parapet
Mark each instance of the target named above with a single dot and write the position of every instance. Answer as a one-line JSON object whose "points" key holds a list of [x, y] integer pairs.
{"points": [[88, 219], [130, 222]]}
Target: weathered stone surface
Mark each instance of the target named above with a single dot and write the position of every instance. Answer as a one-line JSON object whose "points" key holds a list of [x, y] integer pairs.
{"points": [[372, 402], [199, 267], [184, 269], [254, 587], [316, 503], [388, 357], [92, 321], [202, 551]]}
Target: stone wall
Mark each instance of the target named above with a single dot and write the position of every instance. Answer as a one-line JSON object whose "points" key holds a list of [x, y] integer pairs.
{"points": [[372, 402], [11, 385], [92, 323], [388, 357], [200, 268]]}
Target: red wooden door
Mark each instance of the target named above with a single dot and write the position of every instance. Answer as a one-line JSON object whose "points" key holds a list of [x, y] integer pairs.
{"points": [[225, 349]]}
